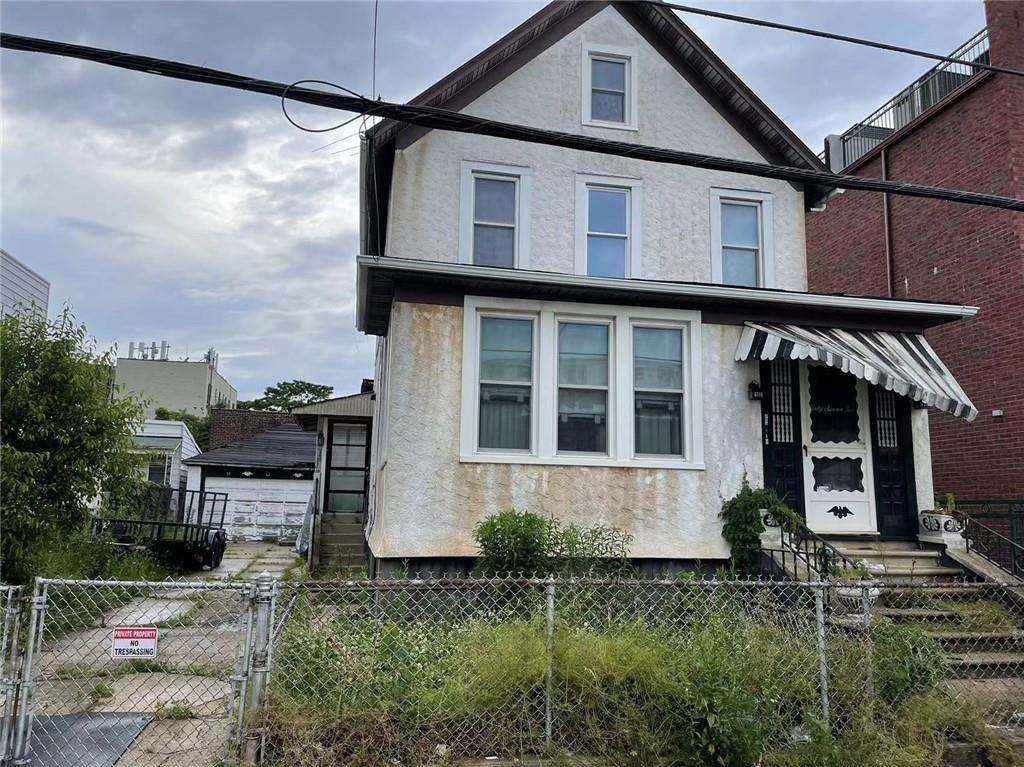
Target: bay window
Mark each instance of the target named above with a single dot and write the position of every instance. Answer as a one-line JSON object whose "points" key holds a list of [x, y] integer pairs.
{"points": [[580, 384]]}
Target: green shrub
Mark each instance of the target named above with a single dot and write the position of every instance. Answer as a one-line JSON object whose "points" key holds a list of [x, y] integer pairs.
{"points": [[514, 543], [743, 524], [527, 544]]}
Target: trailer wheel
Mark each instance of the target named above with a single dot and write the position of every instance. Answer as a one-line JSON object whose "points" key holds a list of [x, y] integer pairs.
{"points": [[219, 548]]}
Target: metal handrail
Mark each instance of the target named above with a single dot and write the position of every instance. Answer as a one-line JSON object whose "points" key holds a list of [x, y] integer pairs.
{"points": [[808, 549], [927, 90], [1004, 553]]}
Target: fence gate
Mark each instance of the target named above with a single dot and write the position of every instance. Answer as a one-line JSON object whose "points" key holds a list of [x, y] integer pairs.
{"points": [[138, 673]]}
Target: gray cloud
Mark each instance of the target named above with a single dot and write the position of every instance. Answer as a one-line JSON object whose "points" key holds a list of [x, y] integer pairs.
{"points": [[168, 210]]}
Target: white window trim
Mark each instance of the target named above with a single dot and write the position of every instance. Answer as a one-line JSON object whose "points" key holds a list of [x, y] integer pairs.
{"points": [[629, 55], [766, 267], [635, 233], [524, 182], [545, 404]]}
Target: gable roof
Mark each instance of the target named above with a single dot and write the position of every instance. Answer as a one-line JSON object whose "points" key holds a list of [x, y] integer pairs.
{"points": [[660, 26], [287, 446]]}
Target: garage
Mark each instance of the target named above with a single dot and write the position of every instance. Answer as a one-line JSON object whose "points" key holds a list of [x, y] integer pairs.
{"points": [[268, 478]]}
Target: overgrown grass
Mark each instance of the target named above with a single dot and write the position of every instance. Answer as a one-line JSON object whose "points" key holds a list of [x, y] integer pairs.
{"points": [[175, 710], [726, 687], [82, 555]]}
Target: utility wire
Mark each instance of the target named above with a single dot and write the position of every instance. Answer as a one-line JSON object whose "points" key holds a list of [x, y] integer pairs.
{"points": [[443, 119], [833, 36]]}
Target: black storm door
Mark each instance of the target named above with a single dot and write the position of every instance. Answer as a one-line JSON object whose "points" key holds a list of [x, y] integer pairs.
{"points": [[780, 431], [895, 492]]}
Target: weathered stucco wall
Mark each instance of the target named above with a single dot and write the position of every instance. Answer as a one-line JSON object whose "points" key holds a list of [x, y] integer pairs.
{"points": [[676, 240], [430, 501]]}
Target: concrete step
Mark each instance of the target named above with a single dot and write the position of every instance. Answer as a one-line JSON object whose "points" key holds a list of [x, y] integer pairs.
{"points": [[331, 518], [956, 591], [343, 539], [913, 614], [895, 557], [960, 642], [896, 575], [342, 551], [986, 665]]}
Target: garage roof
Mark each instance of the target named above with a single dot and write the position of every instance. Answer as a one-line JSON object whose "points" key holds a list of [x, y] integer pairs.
{"points": [[287, 446]]}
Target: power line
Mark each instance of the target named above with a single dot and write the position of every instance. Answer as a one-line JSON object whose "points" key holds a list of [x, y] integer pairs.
{"points": [[443, 119], [833, 36]]}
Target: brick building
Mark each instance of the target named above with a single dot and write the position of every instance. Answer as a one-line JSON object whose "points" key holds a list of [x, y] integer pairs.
{"points": [[961, 127]]}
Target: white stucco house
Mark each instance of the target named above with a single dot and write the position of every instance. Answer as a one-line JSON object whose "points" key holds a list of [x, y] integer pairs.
{"points": [[606, 340]]}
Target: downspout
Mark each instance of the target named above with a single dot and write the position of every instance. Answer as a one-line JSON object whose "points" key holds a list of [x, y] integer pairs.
{"points": [[890, 266]]}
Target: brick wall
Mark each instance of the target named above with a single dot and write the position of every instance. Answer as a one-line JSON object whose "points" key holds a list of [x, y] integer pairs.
{"points": [[950, 252], [226, 426]]}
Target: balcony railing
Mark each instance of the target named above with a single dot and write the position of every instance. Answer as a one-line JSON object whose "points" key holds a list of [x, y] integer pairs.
{"points": [[933, 86]]}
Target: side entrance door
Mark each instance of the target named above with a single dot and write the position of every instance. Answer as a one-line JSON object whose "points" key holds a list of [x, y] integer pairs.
{"points": [[893, 457], [837, 466]]}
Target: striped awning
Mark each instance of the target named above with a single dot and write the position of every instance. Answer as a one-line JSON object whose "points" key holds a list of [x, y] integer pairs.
{"points": [[901, 362]]}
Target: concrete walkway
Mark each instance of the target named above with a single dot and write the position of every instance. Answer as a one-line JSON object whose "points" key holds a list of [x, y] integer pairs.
{"points": [[247, 560]]}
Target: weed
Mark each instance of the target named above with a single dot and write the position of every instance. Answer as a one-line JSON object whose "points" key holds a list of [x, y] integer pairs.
{"points": [[101, 691], [175, 710]]}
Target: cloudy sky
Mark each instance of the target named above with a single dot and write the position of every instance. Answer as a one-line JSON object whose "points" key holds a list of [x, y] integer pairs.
{"points": [[168, 210]]}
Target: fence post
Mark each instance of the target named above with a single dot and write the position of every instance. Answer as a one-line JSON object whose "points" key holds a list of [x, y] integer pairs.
{"points": [[549, 681], [260, 670], [819, 620], [23, 726], [865, 603], [9, 664]]}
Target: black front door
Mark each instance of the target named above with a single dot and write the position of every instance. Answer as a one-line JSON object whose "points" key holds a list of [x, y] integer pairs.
{"points": [[892, 444]]}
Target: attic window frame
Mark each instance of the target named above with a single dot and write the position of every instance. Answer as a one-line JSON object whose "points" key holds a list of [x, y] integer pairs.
{"points": [[610, 53]]}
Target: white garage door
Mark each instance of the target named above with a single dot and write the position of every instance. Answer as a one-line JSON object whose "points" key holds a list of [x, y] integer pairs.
{"points": [[263, 509]]}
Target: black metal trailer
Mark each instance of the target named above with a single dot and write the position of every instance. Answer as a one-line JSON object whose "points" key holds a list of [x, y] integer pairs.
{"points": [[181, 527]]}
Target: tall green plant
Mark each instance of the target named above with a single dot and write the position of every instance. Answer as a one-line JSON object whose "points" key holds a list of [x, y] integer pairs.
{"points": [[514, 543], [63, 439], [743, 523]]}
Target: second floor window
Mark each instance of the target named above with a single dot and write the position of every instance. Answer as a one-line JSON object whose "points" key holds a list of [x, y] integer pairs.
{"points": [[494, 220], [607, 231], [494, 230], [607, 226], [741, 238]]}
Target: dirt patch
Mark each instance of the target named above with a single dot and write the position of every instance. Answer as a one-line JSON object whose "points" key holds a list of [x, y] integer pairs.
{"points": [[190, 742]]}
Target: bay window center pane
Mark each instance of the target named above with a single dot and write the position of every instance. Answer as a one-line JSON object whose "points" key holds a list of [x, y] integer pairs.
{"points": [[659, 423], [657, 358], [583, 420], [582, 354]]}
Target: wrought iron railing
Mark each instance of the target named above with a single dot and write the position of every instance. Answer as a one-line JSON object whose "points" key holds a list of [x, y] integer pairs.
{"points": [[933, 86], [803, 554], [1001, 551]]}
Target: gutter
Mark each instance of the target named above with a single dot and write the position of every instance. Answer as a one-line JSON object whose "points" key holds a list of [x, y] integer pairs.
{"points": [[767, 296]]}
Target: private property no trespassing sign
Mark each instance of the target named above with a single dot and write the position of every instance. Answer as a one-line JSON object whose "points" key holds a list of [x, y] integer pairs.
{"points": [[134, 642]]}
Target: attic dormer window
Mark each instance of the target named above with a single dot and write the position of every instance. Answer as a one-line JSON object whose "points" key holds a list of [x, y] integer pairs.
{"points": [[609, 87]]}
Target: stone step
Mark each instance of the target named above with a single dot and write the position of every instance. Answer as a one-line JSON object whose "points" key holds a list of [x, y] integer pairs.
{"points": [[342, 550], [960, 642], [955, 591], [896, 557], [874, 545]]}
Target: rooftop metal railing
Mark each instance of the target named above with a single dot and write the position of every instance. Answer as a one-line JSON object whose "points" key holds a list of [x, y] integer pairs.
{"points": [[933, 86]]}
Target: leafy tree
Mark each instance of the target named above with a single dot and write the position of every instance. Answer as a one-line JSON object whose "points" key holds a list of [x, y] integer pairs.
{"points": [[199, 425], [288, 394], [63, 439]]}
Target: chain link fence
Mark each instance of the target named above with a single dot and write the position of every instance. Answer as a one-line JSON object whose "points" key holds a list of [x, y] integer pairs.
{"points": [[634, 672], [428, 672]]}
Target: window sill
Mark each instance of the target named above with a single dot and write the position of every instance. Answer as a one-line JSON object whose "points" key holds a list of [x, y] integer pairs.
{"points": [[581, 460], [613, 126]]}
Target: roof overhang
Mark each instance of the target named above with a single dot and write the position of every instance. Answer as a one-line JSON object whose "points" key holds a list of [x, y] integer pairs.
{"points": [[382, 280]]}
